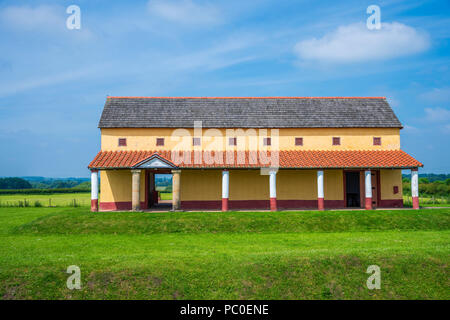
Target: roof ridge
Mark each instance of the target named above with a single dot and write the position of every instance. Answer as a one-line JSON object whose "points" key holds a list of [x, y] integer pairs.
{"points": [[284, 97]]}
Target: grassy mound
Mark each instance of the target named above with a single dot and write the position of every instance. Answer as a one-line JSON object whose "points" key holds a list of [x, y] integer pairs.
{"points": [[84, 222]]}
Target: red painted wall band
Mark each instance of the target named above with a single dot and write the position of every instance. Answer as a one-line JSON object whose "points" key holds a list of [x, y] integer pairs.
{"points": [[252, 204], [112, 206]]}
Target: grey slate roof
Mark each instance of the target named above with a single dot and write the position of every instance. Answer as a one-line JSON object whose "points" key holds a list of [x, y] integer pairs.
{"points": [[143, 112]]}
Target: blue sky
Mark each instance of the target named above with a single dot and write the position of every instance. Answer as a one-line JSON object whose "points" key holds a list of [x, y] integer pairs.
{"points": [[54, 81]]}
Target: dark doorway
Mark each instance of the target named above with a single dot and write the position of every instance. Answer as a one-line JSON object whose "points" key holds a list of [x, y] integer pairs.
{"points": [[159, 190], [352, 192]]}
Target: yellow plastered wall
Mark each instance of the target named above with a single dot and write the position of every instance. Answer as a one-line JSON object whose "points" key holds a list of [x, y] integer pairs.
{"points": [[201, 185], [333, 184], [389, 179], [115, 186], [296, 185], [313, 138], [248, 185], [251, 185]]}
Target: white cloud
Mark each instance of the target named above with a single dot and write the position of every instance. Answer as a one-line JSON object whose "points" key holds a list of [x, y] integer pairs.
{"points": [[43, 19], [356, 43], [437, 95], [28, 18], [185, 12], [437, 114]]}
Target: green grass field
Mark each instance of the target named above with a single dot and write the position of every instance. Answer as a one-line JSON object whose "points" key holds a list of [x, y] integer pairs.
{"points": [[57, 199], [234, 255], [166, 195]]}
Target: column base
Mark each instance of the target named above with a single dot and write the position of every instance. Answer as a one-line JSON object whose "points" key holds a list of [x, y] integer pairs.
{"points": [[224, 204], [94, 205], [273, 204], [368, 203], [176, 206], [415, 202], [320, 204]]}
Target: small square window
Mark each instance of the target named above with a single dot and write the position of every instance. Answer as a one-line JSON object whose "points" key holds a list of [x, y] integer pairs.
{"points": [[376, 141], [298, 141], [196, 141], [122, 142], [159, 141], [336, 141], [232, 141], [267, 141]]}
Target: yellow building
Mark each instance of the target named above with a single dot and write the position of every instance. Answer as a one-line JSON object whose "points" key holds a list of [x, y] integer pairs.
{"points": [[251, 153]]}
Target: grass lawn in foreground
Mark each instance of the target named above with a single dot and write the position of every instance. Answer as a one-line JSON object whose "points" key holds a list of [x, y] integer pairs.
{"points": [[233, 255]]}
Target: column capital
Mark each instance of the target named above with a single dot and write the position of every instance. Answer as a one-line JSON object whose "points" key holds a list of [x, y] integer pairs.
{"points": [[136, 170], [414, 169], [175, 171]]}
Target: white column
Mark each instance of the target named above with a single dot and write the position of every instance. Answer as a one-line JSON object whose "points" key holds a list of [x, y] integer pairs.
{"points": [[135, 190], [225, 189], [320, 194], [415, 188], [273, 184], [273, 189], [225, 184], [368, 188], [94, 190]]}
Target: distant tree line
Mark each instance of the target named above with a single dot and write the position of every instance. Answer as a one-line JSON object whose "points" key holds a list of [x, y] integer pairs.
{"points": [[15, 183], [431, 177], [429, 186]]}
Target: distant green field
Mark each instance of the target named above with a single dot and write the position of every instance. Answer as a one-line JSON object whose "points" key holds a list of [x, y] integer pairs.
{"points": [[232, 255], [57, 199], [427, 201], [166, 196]]}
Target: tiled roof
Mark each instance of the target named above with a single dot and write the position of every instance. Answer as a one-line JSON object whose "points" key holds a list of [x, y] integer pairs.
{"points": [[248, 112], [253, 159]]}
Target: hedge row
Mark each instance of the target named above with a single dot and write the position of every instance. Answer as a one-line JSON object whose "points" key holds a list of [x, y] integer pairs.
{"points": [[42, 191]]}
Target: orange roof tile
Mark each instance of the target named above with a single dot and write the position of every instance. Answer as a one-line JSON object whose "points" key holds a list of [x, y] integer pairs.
{"points": [[253, 159]]}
